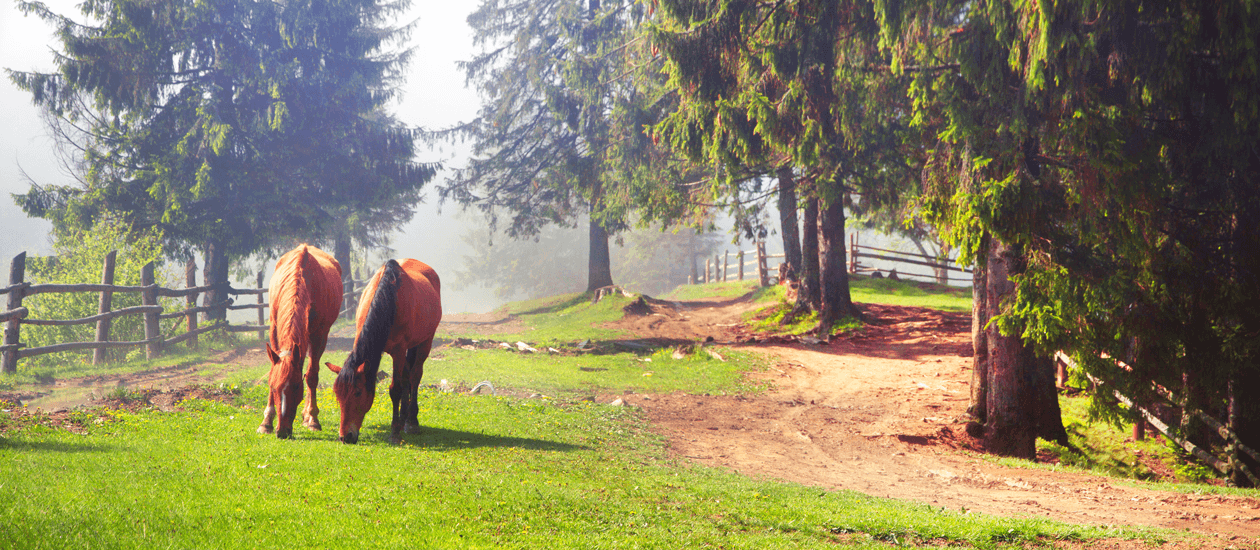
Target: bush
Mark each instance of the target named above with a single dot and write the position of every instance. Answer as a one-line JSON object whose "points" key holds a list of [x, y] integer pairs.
{"points": [[78, 258]]}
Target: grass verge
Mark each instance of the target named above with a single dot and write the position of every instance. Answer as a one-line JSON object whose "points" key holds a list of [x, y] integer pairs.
{"points": [[486, 472]]}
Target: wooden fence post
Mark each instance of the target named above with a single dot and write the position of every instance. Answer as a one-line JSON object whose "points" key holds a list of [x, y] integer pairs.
{"points": [[261, 320], [694, 279], [853, 252], [707, 269], [763, 275], [17, 275], [152, 332], [101, 355], [190, 281], [726, 258], [741, 265]]}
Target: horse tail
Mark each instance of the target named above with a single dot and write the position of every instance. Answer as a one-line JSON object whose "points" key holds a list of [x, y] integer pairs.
{"points": [[379, 320]]}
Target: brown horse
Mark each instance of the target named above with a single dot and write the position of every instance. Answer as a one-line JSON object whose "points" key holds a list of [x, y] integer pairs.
{"points": [[398, 313], [305, 299]]}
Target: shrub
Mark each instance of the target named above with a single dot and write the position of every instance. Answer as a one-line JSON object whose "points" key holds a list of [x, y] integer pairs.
{"points": [[78, 258]]}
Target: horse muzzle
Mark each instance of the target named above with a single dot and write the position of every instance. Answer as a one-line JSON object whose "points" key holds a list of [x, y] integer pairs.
{"points": [[350, 438]]}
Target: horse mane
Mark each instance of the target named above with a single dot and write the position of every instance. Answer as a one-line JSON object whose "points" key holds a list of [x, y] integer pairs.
{"points": [[293, 320], [370, 343]]}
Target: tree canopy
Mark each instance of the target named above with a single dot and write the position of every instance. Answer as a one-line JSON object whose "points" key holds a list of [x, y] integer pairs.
{"points": [[241, 124], [1114, 145]]}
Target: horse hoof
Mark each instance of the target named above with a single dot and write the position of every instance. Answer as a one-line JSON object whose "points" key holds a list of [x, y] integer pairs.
{"points": [[411, 429], [313, 425], [264, 429], [284, 434]]}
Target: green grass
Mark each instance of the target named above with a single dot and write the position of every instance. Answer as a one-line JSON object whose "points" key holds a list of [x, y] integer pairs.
{"points": [[731, 289], [487, 472], [658, 372], [561, 320], [906, 293], [569, 375], [1109, 450]]}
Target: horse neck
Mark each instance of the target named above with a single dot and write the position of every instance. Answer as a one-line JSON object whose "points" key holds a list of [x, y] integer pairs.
{"points": [[378, 321], [295, 302]]}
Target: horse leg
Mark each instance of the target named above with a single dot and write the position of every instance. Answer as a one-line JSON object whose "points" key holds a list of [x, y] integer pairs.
{"points": [[417, 356], [310, 414], [269, 415], [398, 392]]}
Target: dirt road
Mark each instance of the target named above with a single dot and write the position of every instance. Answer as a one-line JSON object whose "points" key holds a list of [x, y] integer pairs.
{"points": [[881, 414]]}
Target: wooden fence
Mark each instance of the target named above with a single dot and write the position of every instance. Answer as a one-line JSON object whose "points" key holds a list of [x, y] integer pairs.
{"points": [[1145, 416], [857, 252], [721, 269], [14, 316]]}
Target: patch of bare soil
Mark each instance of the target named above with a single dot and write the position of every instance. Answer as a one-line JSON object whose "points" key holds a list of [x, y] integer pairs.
{"points": [[881, 413], [17, 416]]}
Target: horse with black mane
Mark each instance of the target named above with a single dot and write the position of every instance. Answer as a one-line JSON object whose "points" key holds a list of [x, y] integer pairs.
{"points": [[398, 314], [305, 298]]}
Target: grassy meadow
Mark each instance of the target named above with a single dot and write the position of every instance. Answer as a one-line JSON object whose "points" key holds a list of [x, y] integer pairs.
{"points": [[559, 471]]}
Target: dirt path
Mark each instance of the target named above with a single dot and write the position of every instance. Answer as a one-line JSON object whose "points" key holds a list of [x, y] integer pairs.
{"points": [[880, 414]]}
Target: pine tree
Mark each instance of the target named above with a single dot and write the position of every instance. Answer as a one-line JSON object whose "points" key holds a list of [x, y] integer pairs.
{"points": [[230, 126]]}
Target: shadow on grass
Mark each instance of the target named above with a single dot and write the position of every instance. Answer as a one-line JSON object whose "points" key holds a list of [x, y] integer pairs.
{"points": [[24, 446], [442, 439]]}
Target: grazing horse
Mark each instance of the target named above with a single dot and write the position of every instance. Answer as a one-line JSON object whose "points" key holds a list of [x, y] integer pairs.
{"points": [[398, 313], [305, 299]]}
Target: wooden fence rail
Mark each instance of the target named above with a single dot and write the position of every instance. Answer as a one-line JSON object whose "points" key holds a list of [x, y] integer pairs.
{"points": [[857, 252], [720, 269], [15, 315], [1144, 413]]}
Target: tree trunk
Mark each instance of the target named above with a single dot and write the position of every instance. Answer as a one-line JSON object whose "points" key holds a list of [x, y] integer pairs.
{"points": [[341, 253], [787, 222], [599, 267], [833, 268], [216, 273], [810, 295], [1021, 400], [1010, 428], [979, 341]]}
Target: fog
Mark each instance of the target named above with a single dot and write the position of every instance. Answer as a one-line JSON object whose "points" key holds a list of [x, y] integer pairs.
{"points": [[434, 97]]}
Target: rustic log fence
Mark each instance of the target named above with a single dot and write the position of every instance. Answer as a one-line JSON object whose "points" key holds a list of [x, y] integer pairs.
{"points": [[857, 252], [1145, 416], [15, 315], [720, 268]]}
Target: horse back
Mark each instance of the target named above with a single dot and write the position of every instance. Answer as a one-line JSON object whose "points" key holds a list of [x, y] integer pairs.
{"points": [[323, 275], [420, 304], [305, 277]]}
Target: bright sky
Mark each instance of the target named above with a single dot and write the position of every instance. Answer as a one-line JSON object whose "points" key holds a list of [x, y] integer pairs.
{"points": [[434, 97]]}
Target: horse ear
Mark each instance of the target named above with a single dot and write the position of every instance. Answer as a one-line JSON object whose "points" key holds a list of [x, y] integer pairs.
{"points": [[362, 367], [271, 354], [333, 368]]}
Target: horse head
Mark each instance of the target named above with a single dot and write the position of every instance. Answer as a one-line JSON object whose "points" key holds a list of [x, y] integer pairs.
{"points": [[355, 392], [286, 385]]}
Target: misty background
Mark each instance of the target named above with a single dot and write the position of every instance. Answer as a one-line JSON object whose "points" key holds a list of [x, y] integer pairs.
{"points": [[434, 96]]}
